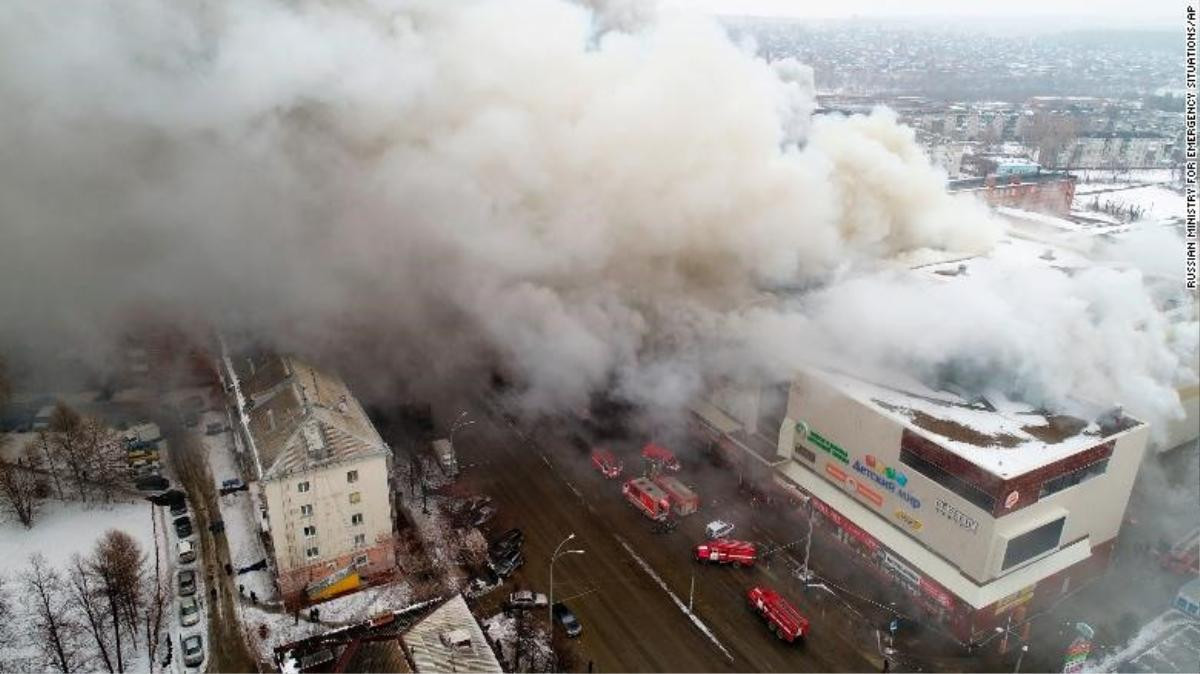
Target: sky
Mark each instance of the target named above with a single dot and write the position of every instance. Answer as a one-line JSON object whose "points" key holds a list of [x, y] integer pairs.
{"points": [[1096, 13]]}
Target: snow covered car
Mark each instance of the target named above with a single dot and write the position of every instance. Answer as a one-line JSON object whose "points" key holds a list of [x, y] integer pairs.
{"points": [[718, 529], [193, 650], [607, 463], [187, 582], [189, 611], [525, 599], [187, 552]]}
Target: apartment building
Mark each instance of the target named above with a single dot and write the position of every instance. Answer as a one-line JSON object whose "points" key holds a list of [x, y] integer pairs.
{"points": [[322, 471]]}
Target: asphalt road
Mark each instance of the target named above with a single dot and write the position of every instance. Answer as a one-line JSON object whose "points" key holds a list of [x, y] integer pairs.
{"points": [[630, 620]]}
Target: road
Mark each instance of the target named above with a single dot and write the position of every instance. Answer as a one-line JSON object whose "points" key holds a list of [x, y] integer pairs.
{"points": [[227, 651], [631, 622]]}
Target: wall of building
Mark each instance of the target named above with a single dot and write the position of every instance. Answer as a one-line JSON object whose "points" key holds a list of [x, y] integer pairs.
{"points": [[329, 493], [854, 445]]}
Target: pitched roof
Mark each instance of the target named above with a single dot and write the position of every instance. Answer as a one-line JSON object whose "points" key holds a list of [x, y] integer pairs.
{"points": [[450, 640], [300, 418]]}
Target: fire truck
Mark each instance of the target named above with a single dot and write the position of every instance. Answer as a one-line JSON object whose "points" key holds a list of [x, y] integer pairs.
{"points": [[1184, 556], [782, 618], [727, 551], [683, 500], [661, 456], [608, 464], [648, 498]]}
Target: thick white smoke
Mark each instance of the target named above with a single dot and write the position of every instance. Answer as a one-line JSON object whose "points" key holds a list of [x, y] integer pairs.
{"points": [[428, 186]]}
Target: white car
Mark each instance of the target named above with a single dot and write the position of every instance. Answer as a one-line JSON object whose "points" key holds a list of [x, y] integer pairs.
{"points": [[189, 611], [187, 552], [718, 529]]}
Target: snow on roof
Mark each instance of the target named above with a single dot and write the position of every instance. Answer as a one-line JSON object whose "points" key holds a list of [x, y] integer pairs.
{"points": [[432, 652], [1004, 437]]}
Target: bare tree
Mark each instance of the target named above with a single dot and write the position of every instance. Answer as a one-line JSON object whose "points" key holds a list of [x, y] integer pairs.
{"points": [[118, 564], [87, 599], [52, 628], [7, 630], [105, 456], [68, 445], [43, 441], [1050, 134], [22, 488], [154, 611]]}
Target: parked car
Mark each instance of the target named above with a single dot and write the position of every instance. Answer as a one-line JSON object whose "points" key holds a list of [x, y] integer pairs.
{"points": [[718, 529], [563, 616], [189, 611], [508, 541], [215, 428], [193, 650], [507, 566], [187, 582], [183, 526], [187, 552], [607, 463], [232, 485], [152, 483], [522, 599], [178, 508]]}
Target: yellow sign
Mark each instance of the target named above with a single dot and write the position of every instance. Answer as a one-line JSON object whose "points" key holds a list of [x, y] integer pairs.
{"points": [[1015, 599], [334, 584], [909, 521]]}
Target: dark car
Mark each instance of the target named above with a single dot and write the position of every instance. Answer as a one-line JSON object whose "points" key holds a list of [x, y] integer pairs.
{"points": [[183, 526], [507, 566], [152, 483], [563, 616], [506, 543], [187, 583], [178, 508], [232, 485]]}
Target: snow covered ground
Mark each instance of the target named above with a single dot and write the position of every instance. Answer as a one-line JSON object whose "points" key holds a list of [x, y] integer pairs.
{"points": [[1169, 643]]}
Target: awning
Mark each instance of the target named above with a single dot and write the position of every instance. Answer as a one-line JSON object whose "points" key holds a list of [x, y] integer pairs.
{"points": [[927, 562]]}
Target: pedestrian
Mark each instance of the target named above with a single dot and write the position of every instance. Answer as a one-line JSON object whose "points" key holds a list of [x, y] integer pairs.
{"points": [[241, 590], [297, 622], [589, 665], [254, 597], [316, 614], [887, 665], [228, 569], [213, 592]]}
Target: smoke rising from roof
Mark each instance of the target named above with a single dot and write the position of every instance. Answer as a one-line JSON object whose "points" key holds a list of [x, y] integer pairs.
{"points": [[419, 188]]}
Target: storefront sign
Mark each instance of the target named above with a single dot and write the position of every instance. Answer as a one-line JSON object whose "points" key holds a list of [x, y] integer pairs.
{"points": [[886, 478], [821, 442], [836, 473], [957, 516], [1077, 655], [900, 569], [845, 524], [1011, 499], [908, 520], [939, 595], [1015, 599], [865, 492]]}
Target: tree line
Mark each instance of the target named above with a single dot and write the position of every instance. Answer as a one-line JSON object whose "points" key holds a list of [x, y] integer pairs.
{"points": [[94, 615], [77, 457]]}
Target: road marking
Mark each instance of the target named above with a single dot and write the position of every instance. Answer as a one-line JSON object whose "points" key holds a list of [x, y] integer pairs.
{"points": [[678, 602], [574, 490]]}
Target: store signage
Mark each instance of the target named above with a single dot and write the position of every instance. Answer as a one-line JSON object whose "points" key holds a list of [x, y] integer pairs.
{"points": [[822, 443], [939, 595], [908, 520], [1011, 499], [887, 478], [957, 516], [1015, 599], [1077, 655], [900, 569], [854, 485]]}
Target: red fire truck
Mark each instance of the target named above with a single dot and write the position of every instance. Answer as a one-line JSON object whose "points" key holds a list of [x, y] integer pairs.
{"points": [[648, 498], [683, 500], [661, 456], [607, 463], [727, 551], [1184, 556], [783, 618]]}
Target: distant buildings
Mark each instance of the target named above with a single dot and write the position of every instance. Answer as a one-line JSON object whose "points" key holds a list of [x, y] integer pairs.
{"points": [[323, 471]]}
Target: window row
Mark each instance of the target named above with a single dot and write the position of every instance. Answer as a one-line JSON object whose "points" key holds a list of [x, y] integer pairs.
{"points": [[360, 541], [309, 530], [954, 483], [1073, 478], [305, 485]]}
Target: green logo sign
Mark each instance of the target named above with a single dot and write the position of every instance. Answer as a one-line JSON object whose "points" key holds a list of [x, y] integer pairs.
{"points": [[820, 441]]}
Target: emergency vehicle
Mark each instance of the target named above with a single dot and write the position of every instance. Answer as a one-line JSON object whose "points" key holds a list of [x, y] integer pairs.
{"points": [[660, 455], [782, 618], [1184, 556], [648, 498], [727, 551], [608, 464], [683, 500]]}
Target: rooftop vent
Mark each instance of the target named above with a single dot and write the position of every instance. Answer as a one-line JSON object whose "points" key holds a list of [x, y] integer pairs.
{"points": [[459, 639]]}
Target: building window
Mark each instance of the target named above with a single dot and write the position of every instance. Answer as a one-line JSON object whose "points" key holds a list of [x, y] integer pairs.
{"points": [[360, 540], [302, 487], [1055, 485], [1033, 543], [352, 476], [356, 519], [310, 531], [955, 484], [360, 561], [306, 510], [355, 497], [311, 552]]}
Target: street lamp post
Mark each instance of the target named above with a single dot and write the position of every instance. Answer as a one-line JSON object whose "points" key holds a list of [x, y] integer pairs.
{"points": [[808, 544], [1024, 649], [553, 558]]}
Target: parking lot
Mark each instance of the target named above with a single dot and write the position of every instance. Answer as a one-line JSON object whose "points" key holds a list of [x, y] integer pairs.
{"points": [[631, 587]]}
